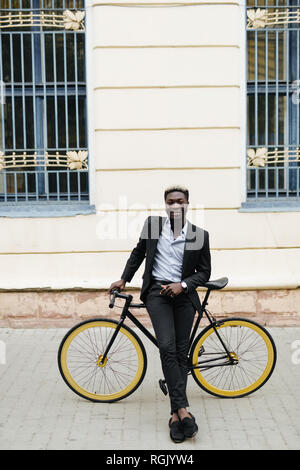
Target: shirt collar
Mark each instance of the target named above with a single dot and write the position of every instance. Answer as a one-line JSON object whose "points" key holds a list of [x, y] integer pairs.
{"points": [[184, 228]]}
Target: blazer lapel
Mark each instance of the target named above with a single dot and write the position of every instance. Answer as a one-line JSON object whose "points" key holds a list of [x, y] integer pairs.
{"points": [[155, 231], [190, 237]]}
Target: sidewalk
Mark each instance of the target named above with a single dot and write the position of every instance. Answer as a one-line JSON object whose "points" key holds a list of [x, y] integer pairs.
{"points": [[38, 411]]}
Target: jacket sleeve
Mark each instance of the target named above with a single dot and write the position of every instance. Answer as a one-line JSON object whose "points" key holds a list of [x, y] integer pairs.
{"points": [[203, 267], [137, 255]]}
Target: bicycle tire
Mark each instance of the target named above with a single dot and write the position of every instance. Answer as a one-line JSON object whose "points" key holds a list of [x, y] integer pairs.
{"points": [[91, 355], [204, 347]]}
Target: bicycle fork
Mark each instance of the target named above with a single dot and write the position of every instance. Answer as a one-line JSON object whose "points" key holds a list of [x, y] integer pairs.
{"points": [[122, 318]]}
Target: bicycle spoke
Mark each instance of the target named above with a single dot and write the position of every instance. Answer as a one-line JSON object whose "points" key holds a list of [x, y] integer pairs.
{"points": [[249, 353], [115, 374]]}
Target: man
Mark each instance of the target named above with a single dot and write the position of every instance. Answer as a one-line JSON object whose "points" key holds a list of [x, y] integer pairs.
{"points": [[177, 262]]}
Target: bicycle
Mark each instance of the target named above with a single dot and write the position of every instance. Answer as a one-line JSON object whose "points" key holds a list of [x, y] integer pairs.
{"points": [[104, 360]]}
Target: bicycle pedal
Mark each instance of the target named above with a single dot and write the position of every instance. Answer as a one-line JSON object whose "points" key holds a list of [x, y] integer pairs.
{"points": [[163, 387], [201, 351]]}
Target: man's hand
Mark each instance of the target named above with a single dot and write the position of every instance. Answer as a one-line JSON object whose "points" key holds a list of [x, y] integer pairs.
{"points": [[121, 284], [172, 289]]}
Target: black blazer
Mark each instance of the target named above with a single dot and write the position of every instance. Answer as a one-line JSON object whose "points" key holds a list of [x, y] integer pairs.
{"points": [[196, 265]]}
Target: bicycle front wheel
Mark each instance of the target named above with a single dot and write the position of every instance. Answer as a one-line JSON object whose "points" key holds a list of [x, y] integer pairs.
{"points": [[251, 348], [80, 354]]}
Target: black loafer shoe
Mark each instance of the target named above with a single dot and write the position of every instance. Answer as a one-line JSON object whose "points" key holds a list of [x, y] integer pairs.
{"points": [[189, 426], [176, 431]]}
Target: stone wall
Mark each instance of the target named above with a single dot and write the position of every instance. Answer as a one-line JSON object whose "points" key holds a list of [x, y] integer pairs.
{"points": [[56, 308]]}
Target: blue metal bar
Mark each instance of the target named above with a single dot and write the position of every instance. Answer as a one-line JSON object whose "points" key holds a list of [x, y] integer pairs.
{"points": [[26, 185], [276, 93], [256, 183], [286, 114], [50, 90], [293, 113], [76, 94], [287, 100], [55, 87], [266, 89], [78, 183], [5, 186], [297, 78], [33, 81], [16, 186], [47, 191], [12, 88], [66, 93], [256, 94], [68, 185], [33, 172], [37, 185], [266, 107], [39, 105], [267, 182], [57, 183], [44, 80], [2, 99], [23, 90]]}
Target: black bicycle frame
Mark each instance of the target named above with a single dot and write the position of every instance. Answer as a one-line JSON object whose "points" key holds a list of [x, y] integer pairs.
{"points": [[126, 313]]}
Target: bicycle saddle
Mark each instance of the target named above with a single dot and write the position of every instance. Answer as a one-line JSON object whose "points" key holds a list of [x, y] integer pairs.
{"points": [[217, 284]]}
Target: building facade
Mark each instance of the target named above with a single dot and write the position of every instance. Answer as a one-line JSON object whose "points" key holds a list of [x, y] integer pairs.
{"points": [[103, 105]]}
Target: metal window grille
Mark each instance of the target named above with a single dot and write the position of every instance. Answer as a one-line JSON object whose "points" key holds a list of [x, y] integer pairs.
{"points": [[273, 65], [43, 109]]}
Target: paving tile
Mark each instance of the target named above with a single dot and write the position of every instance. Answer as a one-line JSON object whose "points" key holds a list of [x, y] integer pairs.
{"points": [[38, 410]]}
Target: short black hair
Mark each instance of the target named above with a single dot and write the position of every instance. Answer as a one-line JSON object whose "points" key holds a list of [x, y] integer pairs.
{"points": [[177, 187]]}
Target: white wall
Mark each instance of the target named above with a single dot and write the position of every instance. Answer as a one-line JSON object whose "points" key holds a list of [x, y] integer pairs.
{"points": [[166, 91]]}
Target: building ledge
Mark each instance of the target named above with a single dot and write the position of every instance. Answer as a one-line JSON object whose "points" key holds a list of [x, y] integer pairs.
{"points": [[46, 209], [270, 206]]}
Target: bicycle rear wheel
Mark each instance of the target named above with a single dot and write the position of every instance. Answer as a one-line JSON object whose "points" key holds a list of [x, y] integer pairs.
{"points": [[252, 349], [81, 351]]}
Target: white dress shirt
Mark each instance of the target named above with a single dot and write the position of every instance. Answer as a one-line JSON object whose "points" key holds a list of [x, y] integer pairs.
{"points": [[167, 264]]}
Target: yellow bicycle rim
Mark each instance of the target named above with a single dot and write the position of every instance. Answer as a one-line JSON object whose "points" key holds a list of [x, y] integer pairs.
{"points": [[81, 390], [245, 390]]}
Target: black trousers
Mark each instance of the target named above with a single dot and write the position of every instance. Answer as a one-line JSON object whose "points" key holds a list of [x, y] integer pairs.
{"points": [[172, 320]]}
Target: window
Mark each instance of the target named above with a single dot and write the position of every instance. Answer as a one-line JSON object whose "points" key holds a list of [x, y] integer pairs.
{"points": [[43, 107], [273, 66]]}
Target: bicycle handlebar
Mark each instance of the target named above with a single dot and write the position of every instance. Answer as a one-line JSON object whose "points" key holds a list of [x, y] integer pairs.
{"points": [[116, 293], [113, 294]]}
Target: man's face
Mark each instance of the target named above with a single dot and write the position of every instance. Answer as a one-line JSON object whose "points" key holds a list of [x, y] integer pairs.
{"points": [[176, 206]]}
